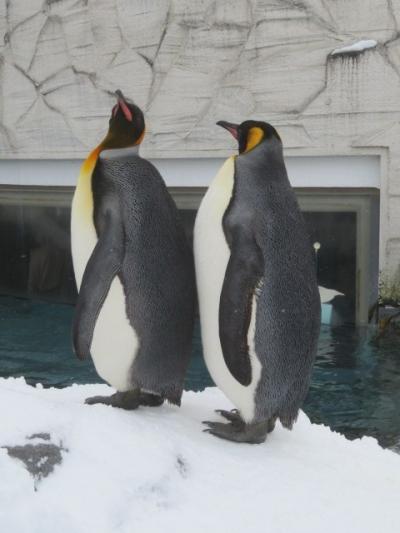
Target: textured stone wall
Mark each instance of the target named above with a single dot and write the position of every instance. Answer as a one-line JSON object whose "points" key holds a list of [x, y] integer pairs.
{"points": [[189, 63]]}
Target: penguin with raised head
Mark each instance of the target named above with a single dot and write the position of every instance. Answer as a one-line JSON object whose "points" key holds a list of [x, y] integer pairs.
{"points": [[133, 268], [257, 287]]}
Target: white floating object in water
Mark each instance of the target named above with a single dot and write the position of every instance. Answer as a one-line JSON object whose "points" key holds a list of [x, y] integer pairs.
{"points": [[327, 295]]}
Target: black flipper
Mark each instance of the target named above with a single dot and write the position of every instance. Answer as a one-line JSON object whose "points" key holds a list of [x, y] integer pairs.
{"points": [[101, 269], [243, 274]]}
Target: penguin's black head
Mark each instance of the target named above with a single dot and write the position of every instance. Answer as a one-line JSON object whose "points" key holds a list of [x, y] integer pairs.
{"points": [[250, 133], [126, 126]]}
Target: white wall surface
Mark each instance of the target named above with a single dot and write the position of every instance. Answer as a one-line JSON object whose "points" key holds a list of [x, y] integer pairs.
{"points": [[188, 63], [334, 171]]}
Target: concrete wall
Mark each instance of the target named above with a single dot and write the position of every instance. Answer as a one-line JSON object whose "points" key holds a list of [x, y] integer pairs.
{"points": [[191, 62]]}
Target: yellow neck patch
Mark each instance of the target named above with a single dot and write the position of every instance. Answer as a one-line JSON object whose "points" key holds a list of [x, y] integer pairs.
{"points": [[89, 163], [83, 197], [254, 137]]}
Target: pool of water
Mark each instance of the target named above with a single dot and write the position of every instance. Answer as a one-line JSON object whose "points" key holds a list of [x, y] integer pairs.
{"points": [[355, 387]]}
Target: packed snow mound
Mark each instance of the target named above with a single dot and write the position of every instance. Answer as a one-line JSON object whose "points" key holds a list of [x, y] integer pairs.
{"points": [[154, 470], [358, 47]]}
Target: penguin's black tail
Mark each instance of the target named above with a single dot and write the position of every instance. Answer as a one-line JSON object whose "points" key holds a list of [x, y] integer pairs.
{"points": [[288, 420]]}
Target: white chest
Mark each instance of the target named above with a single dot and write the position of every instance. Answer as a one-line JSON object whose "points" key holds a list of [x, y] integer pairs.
{"points": [[211, 258], [115, 343]]}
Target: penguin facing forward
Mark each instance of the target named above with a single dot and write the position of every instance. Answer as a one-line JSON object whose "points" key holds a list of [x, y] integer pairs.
{"points": [[133, 268], [257, 288]]}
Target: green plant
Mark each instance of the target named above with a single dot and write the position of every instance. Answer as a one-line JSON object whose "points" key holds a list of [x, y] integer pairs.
{"points": [[389, 289]]}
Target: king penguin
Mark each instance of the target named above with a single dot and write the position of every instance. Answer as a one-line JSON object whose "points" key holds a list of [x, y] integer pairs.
{"points": [[257, 287], [133, 268]]}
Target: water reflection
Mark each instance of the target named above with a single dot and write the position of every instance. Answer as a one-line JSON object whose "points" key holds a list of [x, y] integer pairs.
{"points": [[355, 385]]}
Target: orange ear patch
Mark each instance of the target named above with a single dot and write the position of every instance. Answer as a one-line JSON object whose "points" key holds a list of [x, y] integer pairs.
{"points": [[141, 137], [254, 137]]}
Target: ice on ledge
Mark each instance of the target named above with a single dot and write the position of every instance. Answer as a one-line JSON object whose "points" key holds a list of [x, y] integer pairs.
{"points": [[355, 48], [154, 470]]}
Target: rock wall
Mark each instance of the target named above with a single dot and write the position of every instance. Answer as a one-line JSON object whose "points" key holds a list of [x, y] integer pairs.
{"points": [[189, 63]]}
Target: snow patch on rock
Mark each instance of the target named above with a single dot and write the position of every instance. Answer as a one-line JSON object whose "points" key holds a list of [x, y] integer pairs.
{"points": [[355, 48]]}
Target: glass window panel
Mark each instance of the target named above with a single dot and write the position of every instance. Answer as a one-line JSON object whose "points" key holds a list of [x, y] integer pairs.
{"points": [[35, 240], [336, 234]]}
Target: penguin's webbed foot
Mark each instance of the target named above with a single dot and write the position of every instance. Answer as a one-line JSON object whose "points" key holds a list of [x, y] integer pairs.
{"points": [[129, 400], [233, 416], [235, 432], [124, 400], [150, 400]]}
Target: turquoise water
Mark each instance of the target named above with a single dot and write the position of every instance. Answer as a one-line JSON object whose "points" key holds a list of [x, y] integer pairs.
{"points": [[355, 387]]}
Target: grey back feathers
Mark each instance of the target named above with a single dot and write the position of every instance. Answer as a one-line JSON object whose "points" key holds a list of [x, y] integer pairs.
{"points": [[284, 279], [156, 271]]}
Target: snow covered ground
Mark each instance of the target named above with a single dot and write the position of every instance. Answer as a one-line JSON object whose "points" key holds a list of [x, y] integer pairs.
{"points": [[153, 470]]}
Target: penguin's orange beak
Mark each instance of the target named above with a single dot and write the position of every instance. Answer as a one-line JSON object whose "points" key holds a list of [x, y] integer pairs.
{"points": [[232, 128], [122, 104]]}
